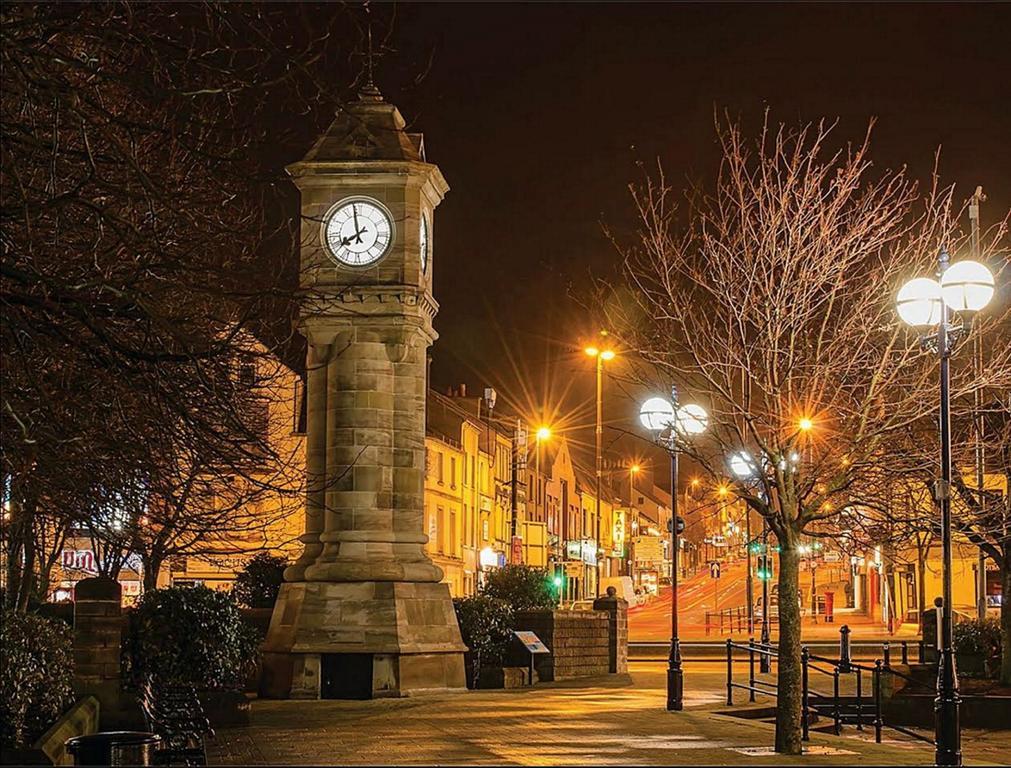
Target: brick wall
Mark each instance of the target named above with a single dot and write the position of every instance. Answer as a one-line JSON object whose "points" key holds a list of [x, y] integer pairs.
{"points": [[579, 642]]}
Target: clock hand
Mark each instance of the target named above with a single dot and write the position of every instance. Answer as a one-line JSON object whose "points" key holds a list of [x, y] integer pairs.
{"points": [[357, 237]]}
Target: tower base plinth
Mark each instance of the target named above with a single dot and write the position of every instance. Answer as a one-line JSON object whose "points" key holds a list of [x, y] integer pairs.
{"points": [[362, 640]]}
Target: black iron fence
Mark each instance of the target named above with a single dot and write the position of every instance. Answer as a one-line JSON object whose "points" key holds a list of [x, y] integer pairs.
{"points": [[728, 620], [864, 709]]}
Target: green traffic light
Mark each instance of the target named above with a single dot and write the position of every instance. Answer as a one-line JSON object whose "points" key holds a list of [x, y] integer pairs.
{"points": [[558, 581]]}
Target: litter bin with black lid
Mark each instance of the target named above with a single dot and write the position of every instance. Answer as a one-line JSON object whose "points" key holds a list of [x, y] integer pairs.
{"points": [[114, 748]]}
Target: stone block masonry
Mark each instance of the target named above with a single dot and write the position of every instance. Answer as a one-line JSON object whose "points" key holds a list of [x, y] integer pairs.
{"points": [[579, 641], [98, 631]]}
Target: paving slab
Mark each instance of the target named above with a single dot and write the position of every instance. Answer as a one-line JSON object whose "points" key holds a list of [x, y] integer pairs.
{"points": [[617, 720]]}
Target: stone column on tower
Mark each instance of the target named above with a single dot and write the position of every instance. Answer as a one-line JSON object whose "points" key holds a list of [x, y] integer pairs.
{"points": [[362, 612]]}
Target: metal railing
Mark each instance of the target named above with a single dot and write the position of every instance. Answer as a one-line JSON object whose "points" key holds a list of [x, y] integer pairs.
{"points": [[728, 618], [754, 650], [859, 710]]}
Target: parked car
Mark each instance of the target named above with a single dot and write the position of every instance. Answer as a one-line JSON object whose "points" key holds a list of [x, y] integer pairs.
{"points": [[774, 604]]}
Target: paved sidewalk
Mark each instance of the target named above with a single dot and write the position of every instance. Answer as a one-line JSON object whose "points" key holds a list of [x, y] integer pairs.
{"points": [[607, 721]]}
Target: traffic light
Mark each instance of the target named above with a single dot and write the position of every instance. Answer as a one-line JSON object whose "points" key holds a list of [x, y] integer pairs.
{"points": [[765, 568], [557, 583], [755, 547]]}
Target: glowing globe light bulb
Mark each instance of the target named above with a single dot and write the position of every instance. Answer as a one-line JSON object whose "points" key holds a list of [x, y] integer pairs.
{"points": [[967, 286], [919, 302], [692, 419], [656, 414]]}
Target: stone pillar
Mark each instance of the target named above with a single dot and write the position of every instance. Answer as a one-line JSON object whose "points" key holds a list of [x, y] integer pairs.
{"points": [[371, 602], [98, 636], [317, 364], [375, 460], [617, 611]]}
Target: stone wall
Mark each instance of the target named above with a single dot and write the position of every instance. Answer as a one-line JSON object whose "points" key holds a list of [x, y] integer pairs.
{"points": [[617, 613], [98, 636], [579, 642]]}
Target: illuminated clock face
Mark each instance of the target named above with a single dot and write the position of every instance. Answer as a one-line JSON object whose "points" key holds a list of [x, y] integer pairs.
{"points": [[423, 242], [358, 232]]}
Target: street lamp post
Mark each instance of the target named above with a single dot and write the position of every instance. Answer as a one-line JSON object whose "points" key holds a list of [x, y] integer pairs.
{"points": [[966, 286], [744, 467], [662, 416], [542, 434], [601, 356], [765, 664]]}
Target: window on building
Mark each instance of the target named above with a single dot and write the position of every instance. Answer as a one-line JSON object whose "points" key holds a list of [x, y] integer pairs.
{"points": [[440, 467], [441, 527], [298, 411], [484, 529], [452, 471], [454, 541]]}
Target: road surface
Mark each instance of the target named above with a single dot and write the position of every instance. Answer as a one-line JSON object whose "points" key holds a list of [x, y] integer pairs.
{"points": [[697, 595]]}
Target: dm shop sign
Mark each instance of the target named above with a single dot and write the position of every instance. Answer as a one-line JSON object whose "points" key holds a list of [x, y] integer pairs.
{"points": [[79, 560]]}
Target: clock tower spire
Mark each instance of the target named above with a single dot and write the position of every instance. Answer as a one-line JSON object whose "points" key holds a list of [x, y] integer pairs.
{"points": [[362, 612]]}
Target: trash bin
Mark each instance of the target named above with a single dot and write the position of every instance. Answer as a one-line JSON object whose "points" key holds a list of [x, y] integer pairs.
{"points": [[829, 607], [114, 748]]}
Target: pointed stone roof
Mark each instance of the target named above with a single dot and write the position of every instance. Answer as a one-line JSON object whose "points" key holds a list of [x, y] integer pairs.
{"points": [[367, 129]]}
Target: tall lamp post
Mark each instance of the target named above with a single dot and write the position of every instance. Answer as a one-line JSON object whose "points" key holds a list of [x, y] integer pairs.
{"points": [[601, 356], [966, 286], [666, 419], [744, 468], [542, 435]]}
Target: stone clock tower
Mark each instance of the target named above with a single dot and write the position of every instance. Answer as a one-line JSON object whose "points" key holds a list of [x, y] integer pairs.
{"points": [[362, 612]]}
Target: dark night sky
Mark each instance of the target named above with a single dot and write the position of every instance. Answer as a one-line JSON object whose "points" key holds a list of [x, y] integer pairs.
{"points": [[537, 115]]}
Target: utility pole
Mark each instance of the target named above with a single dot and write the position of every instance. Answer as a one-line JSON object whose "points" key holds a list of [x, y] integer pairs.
{"points": [[977, 354]]}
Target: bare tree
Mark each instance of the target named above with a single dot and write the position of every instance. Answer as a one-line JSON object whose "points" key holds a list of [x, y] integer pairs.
{"points": [[145, 231], [769, 301]]}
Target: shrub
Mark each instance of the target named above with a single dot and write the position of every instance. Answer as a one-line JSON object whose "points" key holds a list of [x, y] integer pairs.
{"points": [[979, 638], [36, 670], [260, 580], [191, 635], [486, 628], [521, 586]]}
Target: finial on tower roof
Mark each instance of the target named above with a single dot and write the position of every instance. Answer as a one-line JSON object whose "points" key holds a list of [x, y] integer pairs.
{"points": [[369, 91]]}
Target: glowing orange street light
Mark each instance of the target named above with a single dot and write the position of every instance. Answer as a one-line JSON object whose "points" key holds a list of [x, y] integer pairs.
{"points": [[543, 433], [722, 490], [805, 424]]}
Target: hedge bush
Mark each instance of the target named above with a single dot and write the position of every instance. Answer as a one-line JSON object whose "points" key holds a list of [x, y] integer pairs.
{"points": [[523, 587], [191, 635], [260, 580], [486, 628], [36, 674], [979, 638]]}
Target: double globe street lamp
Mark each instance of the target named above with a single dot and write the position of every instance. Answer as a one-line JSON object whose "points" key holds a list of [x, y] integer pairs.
{"points": [[668, 421], [924, 303], [744, 468]]}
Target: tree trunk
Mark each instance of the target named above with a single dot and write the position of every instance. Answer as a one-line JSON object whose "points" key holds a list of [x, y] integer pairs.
{"points": [[789, 686], [28, 549], [1005, 616], [152, 566]]}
